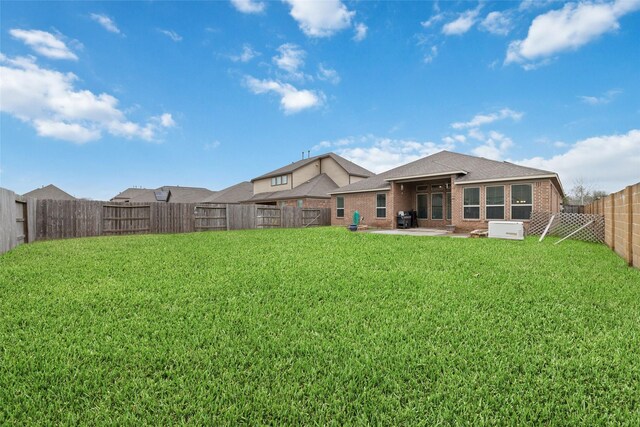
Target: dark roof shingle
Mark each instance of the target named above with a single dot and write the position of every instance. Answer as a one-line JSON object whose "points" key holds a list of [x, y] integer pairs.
{"points": [[49, 192]]}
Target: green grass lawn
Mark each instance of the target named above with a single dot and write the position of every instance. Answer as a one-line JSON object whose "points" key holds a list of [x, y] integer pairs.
{"points": [[317, 326]]}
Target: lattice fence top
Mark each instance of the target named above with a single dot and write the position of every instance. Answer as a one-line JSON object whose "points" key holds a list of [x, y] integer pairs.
{"points": [[566, 223]]}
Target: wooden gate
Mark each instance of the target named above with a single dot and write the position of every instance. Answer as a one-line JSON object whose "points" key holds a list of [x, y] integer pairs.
{"points": [[21, 221], [311, 217], [125, 219], [210, 218], [268, 217]]}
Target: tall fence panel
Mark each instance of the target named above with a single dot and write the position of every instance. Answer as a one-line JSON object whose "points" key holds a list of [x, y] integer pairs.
{"points": [[17, 220], [8, 232], [621, 212]]}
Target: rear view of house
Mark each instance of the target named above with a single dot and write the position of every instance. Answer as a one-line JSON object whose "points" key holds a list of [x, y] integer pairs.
{"points": [[448, 188]]}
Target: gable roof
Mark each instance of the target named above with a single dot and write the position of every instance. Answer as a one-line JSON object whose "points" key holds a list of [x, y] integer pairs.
{"points": [[234, 194], [49, 192], [317, 187], [175, 194], [350, 167], [466, 168]]}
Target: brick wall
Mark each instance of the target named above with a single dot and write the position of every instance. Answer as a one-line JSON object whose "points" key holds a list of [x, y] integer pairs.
{"points": [[365, 203], [546, 198], [621, 213]]}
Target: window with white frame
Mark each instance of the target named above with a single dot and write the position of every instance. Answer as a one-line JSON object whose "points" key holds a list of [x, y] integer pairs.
{"points": [[279, 180], [471, 203], [381, 205], [494, 202], [437, 208], [423, 210], [521, 201], [340, 207]]}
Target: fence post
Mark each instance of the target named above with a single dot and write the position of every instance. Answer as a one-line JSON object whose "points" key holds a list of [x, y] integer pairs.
{"points": [[613, 222], [629, 197]]}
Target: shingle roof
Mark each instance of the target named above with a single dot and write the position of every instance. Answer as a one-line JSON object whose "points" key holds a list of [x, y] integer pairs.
{"points": [[350, 167], [49, 192], [467, 168], [131, 193], [178, 194], [234, 194], [317, 187]]}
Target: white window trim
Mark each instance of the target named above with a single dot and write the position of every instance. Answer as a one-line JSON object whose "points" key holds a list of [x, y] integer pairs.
{"points": [[520, 204], [464, 218], [417, 208], [487, 205], [443, 202], [337, 208], [385, 206], [284, 180]]}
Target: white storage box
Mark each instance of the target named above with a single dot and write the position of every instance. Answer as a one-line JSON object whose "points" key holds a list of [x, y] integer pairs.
{"points": [[513, 230]]}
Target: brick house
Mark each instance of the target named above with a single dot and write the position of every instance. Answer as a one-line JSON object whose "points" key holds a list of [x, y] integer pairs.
{"points": [[307, 182], [449, 188]]}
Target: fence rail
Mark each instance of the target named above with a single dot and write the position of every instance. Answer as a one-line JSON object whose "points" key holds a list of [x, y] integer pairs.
{"points": [[27, 220], [621, 213]]}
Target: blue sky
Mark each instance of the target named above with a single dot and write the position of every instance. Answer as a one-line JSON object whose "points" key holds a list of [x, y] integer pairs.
{"points": [[97, 97]]}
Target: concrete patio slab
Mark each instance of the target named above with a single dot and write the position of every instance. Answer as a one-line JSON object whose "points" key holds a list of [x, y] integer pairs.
{"points": [[420, 232]]}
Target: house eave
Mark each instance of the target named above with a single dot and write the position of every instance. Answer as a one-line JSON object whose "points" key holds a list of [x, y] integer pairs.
{"points": [[430, 175], [360, 191], [518, 178]]}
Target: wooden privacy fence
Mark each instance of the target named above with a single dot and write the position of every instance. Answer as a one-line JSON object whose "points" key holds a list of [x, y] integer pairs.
{"points": [[16, 220], [27, 220], [621, 213]]}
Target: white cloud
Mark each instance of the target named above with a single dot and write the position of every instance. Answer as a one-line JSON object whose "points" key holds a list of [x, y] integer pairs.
{"points": [[44, 43], [429, 57], [328, 74], [494, 147], [290, 59], [569, 28], [483, 119], [606, 98], [384, 153], [497, 23], [292, 100], [211, 145], [48, 100], [462, 24], [380, 154], [172, 35], [320, 18], [608, 162], [249, 6], [106, 22], [247, 54], [432, 20], [361, 32], [166, 120], [73, 132]]}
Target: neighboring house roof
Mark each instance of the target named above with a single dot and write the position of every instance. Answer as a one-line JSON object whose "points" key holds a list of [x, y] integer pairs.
{"points": [[49, 192], [350, 167], [130, 193], [317, 187], [234, 194], [168, 193], [468, 169]]}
